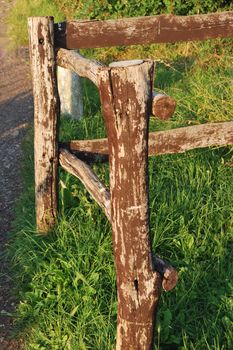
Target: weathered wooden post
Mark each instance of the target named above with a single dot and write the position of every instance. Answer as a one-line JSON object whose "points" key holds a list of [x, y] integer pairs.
{"points": [[126, 96], [46, 113], [70, 93]]}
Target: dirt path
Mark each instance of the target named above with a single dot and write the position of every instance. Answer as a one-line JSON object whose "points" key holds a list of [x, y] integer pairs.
{"points": [[15, 115]]}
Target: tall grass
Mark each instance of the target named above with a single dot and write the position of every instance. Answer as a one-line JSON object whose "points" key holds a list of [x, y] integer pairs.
{"points": [[67, 279], [22, 9]]}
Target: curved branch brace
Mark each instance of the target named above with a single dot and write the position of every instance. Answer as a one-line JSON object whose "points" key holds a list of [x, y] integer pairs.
{"points": [[84, 173], [126, 96], [77, 63]]}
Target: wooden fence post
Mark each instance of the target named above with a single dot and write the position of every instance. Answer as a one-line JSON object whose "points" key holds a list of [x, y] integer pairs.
{"points": [[70, 93], [126, 96], [46, 112]]}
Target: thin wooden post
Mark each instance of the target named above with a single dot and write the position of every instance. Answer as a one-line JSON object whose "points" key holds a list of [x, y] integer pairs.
{"points": [[46, 112], [70, 93], [126, 96]]}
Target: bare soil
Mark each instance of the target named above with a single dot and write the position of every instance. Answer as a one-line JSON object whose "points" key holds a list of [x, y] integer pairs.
{"points": [[16, 113]]}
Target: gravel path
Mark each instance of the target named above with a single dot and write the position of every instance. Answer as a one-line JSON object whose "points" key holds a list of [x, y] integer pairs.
{"points": [[16, 112]]}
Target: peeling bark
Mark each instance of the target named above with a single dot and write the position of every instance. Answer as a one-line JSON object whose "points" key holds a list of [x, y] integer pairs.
{"points": [[126, 93], [46, 113]]}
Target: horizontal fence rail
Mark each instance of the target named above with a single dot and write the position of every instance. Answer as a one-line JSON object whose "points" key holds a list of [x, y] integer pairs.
{"points": [[143, 30], [177, 140]]}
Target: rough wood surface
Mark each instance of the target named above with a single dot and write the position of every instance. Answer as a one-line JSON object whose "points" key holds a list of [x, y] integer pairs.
{"points": [[85, 174], [143, 30], [82, 66], [171, 141], [46, 112], [126, 93], [163, 106], [184, 139], [98, 146], [169, 273]]}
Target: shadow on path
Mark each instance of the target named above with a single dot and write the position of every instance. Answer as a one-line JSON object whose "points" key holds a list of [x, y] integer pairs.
{"points": [[16, 113]]}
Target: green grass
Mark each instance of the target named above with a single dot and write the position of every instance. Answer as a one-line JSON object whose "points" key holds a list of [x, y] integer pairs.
{"points": [[67, 279], [22, 9]]}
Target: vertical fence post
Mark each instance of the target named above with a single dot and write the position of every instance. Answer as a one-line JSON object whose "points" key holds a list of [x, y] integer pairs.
{"points": [[70, 93], [126, 96], [46, 113]]}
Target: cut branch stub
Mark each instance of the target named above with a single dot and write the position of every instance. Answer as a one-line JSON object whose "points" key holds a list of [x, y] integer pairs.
{"points": [[46, 113], [126, 93], [168, 272], [163, 106]]}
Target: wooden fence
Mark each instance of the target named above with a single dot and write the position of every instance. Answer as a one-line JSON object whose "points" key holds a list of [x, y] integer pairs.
{"points": [[127, 99]]}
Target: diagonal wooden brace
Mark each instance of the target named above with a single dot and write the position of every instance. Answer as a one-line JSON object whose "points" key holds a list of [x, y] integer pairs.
{"points": [[84, 173], [77, 63]]}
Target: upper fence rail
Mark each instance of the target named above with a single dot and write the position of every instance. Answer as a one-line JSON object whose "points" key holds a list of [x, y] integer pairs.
{"points": [[143, 30]]}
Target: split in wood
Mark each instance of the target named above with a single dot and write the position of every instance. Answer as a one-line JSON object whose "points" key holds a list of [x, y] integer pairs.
{"points": [[163, 106], [85, 174], [168, 272], [170, 141]]}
